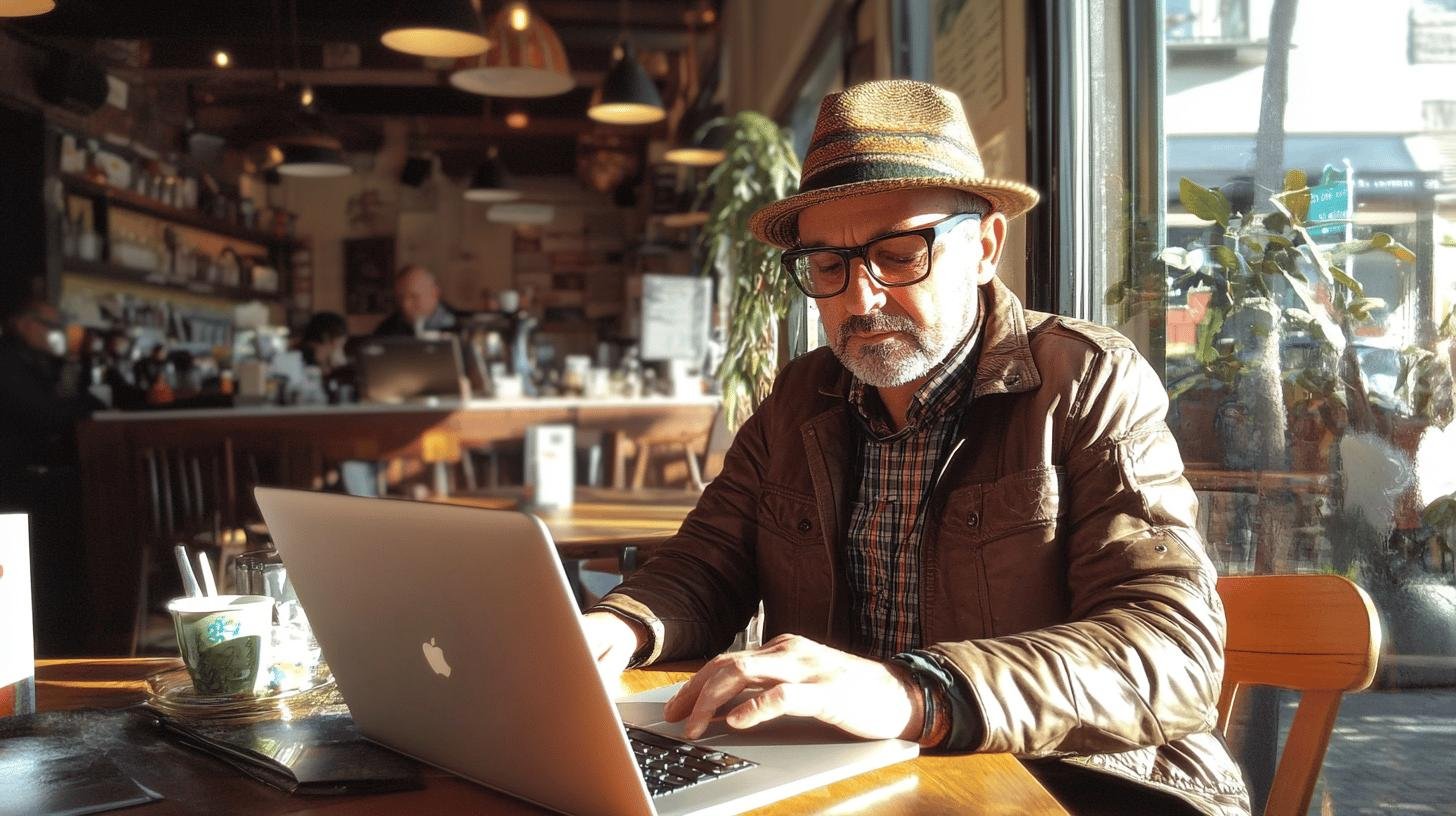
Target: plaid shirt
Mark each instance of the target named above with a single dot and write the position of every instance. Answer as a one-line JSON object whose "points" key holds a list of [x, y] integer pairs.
{"points": [[887, 518]]}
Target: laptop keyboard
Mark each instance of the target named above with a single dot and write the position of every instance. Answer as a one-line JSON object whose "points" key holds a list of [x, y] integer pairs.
{"points": [[670, 765]]}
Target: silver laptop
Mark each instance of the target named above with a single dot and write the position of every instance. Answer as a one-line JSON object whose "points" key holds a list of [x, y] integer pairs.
{"points": [[454, 639]]}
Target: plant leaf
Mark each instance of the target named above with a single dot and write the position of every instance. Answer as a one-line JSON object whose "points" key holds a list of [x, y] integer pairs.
{"points": [[1116, 293], [1226, 257], [1210, 205], [1296, 195], [1344, 279]]}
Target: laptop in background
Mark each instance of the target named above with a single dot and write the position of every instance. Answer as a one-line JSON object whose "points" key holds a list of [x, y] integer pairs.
{"points": [[401, 369], [454, 638]]}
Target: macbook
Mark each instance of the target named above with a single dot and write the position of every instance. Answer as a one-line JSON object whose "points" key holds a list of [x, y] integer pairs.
{"points": [[402, 369], [454, 638]]}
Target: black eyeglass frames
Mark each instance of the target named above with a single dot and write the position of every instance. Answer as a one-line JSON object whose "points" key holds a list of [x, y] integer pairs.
{"points": [[897, 259]]}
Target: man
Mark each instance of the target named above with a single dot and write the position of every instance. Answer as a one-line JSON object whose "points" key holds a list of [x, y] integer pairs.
{"points": [[420, 311], [38, 470], [967, 522]]}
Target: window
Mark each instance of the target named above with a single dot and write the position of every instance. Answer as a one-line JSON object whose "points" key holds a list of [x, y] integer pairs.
{"points": [[1308, 366]]}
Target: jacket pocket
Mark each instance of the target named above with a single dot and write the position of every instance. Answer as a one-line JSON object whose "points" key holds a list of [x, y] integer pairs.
{"points": [[1004, 564], [790, 555]]}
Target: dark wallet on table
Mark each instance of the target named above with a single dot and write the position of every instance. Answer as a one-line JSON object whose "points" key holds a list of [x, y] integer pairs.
{"points": [[313, 755]]}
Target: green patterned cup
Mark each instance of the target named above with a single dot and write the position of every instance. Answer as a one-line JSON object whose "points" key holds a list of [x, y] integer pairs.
{"points": [[224, 640]]}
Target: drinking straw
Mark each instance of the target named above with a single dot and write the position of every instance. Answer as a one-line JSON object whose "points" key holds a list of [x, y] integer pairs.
{"points": [[184, 565], [204, 565]]}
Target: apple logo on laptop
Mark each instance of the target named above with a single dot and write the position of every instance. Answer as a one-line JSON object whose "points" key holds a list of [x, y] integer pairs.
{"points": [[435, 656]]}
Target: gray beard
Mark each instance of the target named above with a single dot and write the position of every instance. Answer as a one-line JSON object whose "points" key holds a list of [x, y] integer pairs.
{"points": [[899, 360]]}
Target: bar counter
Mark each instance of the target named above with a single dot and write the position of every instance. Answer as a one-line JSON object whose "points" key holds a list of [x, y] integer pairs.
{"points": [[154, 478]]}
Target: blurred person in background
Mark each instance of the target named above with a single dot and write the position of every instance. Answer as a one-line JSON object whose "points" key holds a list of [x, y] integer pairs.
{"points": [[420, 312], [41, 403]]}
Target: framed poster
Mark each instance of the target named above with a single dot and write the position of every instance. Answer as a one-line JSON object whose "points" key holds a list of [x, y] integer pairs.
{"points": [[369, 275]]}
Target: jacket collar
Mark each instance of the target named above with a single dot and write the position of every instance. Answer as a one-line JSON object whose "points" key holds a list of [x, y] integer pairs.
{"points": [[1006, 365]]}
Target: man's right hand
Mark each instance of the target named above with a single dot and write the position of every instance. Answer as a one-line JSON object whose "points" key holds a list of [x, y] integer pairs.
{"points": [[613, 640]]}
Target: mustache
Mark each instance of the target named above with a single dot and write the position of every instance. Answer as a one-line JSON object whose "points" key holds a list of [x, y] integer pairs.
{"points": [[877, 322]]}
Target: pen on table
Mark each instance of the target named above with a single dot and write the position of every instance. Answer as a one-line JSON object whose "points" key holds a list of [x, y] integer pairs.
{"points": [[184, 565]]}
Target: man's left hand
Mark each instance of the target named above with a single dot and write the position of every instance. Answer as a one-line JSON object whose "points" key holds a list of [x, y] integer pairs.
{"points": [[802, 678]]}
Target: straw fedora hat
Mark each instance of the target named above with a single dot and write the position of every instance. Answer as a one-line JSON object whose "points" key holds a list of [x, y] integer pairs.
{"points": [[890, 135]]}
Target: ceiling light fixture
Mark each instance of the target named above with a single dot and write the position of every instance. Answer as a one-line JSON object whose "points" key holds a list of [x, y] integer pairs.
{"points": [[628, 95], [222, 59], [323, 158], [526, 58], [306, 97], [437, 29], [25, 8], [701, 132], [489, 182], [308, 150], [704, 147], [520, 17], [517, 119]]}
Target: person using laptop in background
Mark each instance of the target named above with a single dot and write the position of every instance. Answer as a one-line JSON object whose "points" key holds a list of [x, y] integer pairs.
{"points": [[420, 312], [966, 521]]}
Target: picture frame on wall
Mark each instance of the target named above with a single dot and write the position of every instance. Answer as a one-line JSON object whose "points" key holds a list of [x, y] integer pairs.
{"points": [[369, 275]]}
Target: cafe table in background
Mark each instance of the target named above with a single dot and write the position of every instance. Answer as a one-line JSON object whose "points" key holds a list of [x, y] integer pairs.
{"points": [[976, 783]]}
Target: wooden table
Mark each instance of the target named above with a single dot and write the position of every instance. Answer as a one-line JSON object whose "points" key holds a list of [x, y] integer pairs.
{"points": [[601, 522], [979, 783]]}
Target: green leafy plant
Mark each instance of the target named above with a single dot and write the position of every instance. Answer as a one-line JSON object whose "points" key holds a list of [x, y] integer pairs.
{"points": [[760, 168], [1314, 294]]}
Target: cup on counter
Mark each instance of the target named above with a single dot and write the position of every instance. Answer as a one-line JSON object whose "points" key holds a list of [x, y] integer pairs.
{"points": [[225, 641], [510, 386], [599, 383]]}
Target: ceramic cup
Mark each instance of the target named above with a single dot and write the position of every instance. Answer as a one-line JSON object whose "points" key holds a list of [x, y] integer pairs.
{"points": [[224, 641]]}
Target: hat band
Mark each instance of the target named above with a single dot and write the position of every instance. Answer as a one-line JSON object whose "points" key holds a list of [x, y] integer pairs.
{"points": [[877, 168]]}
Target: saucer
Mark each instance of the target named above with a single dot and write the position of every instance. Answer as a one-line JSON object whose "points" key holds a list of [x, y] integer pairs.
{"points": [[171, 694]]}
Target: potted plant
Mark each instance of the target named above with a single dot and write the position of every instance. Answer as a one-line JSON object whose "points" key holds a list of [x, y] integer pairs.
{"points": [[1269, 280], [760, 168], [1273, 287]]}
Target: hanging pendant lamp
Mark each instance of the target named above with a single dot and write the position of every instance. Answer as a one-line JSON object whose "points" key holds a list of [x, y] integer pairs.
{"points": [[628, 95], [25, 8], [445, 28], [489, 182], [703, 146], [526, 58], [318, 157]]}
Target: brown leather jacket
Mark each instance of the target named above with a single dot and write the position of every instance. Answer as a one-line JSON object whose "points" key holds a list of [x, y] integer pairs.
{"points": [[1063, 581]]}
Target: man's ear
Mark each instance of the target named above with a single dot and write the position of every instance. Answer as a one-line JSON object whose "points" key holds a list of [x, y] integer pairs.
{"points": [[993, 240]]}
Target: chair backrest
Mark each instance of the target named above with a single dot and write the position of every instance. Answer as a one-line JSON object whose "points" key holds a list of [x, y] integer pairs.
{"points": [[1317, 634]]}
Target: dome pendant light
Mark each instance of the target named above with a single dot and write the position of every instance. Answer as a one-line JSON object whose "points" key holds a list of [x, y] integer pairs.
{"points": [[489, 182], [321, 158], [627, 96], [25, 8], [704, 147], [446, 28], [526, 58]]}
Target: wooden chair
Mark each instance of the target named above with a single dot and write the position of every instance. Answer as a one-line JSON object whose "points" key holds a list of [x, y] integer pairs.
{"points": [[1316, 634]]}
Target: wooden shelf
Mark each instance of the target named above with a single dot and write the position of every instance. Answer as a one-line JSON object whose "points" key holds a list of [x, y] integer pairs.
{"points": [[135, 202], [115, 272]]}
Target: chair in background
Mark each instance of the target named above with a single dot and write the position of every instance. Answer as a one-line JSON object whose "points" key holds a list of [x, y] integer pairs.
{"points": [[1316, 634], [192, 500], [688, 443]]}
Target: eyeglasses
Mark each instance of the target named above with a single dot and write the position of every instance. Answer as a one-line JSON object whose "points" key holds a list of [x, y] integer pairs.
{"points": [[897, 259]]}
